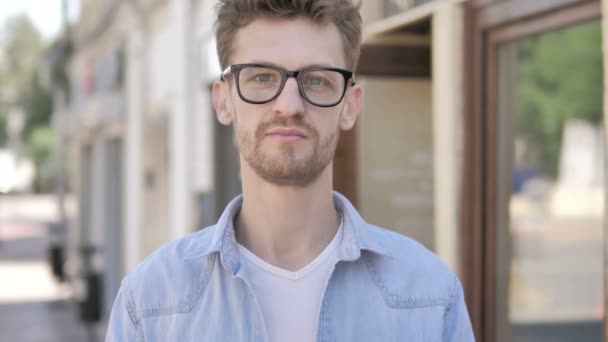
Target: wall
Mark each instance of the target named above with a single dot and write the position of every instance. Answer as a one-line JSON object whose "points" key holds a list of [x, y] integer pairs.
{"points": [[395, 146]]}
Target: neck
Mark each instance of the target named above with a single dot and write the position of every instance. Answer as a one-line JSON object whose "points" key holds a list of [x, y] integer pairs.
{"points": [[286, 226]]}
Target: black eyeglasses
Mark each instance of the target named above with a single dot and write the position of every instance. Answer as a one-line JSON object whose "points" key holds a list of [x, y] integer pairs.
{"points": [[262, 83]]}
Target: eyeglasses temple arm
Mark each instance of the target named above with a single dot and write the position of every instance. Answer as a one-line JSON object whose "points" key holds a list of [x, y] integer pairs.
{"points": [[226, 71]]}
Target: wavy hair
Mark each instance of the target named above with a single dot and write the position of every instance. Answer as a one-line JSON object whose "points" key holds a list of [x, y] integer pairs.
{"points": [[235, 14]]}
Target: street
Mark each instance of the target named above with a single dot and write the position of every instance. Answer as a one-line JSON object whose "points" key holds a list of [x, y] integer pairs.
{"points": [[33, 305]]}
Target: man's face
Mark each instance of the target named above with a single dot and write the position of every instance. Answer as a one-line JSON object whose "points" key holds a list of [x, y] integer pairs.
{"points": [[287, 141]]}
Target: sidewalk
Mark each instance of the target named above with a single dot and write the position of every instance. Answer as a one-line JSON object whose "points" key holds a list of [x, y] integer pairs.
{"points": [[51, 321], [33, 305]]}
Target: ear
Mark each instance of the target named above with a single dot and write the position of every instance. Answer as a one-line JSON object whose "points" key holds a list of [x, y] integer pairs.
{"points": [[220, 96], [352, 107]]}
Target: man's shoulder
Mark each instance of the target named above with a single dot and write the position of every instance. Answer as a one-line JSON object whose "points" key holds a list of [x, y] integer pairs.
{"points": [[173, 276], [410, 274], [403, 249]]}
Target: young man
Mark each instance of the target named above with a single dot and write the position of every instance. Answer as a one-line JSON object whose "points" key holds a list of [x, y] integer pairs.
{"points": [[289, 260]]}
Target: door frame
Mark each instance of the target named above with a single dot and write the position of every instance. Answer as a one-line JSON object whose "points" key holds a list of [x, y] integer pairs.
{"points": [[491, 23]]}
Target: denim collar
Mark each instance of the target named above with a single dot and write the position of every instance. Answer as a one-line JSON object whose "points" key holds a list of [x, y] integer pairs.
{"points": [[358, 236]]}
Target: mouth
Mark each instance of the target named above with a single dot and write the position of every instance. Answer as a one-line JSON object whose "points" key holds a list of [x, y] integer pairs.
{"points": [[287, 133]]}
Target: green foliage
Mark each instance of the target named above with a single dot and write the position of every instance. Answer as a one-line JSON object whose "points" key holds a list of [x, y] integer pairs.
{"points": [[3, 136], [38, 105], [39, 148], [560, 77], [40, 143], [21, 51]]}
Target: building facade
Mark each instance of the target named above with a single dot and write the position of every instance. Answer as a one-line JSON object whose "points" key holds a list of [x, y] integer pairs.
{"points": [[515, 151], [139, 132]]}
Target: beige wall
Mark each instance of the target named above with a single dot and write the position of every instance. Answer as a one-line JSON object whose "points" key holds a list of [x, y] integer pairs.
{"points": [[371, 11], [448, 112], [155, 220], [396, 172]]}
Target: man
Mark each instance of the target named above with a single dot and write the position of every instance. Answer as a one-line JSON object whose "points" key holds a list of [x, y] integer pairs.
{"points": [[289, 260]]}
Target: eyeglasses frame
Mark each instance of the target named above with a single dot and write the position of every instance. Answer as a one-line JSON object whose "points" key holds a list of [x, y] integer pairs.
{"points": [[285, 75]]}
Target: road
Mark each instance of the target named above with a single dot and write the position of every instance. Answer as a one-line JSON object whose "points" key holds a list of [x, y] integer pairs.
{"points": [[34, 307]]}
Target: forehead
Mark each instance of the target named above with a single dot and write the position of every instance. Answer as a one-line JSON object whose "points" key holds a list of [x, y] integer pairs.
{"points": [[290, 43]]}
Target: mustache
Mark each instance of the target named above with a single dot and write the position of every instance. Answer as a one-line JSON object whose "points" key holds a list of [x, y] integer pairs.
{"points": [[290, 122]]}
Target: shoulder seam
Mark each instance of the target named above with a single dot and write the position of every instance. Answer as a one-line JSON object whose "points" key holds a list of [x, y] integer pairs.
{"points": [[453, 292], [131, 309]]}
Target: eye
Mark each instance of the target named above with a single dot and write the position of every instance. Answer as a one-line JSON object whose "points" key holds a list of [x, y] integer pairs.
{"points": [[263, 78], [315, 81]]}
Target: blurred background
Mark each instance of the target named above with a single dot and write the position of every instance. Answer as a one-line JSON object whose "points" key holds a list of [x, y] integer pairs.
{"points": [[483, 136]]}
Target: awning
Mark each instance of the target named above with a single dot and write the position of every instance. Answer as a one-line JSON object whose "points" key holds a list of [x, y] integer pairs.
{"points": [[400, 45]]}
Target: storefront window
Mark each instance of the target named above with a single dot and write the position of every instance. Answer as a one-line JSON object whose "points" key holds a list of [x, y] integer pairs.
{"points": [[551, 167]]}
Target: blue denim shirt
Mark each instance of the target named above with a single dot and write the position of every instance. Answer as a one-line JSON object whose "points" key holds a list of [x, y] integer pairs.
{"points": [[385, 287]]}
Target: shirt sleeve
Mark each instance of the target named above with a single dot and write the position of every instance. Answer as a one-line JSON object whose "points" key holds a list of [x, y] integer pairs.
{"points": [[457, 324], [124, 326]]}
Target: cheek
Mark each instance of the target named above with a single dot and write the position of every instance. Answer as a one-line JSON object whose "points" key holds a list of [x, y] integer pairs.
{"points": [[244, 117], [246, 123], [329, 124]]}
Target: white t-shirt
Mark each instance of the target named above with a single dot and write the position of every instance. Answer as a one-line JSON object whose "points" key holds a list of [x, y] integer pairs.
{"points": [[291, 301]]}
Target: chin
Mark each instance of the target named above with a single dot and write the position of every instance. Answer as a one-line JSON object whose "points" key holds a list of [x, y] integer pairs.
{"points": [[296, 178]]}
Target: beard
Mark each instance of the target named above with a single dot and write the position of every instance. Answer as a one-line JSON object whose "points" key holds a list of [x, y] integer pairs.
{"points": [[286, 167]]}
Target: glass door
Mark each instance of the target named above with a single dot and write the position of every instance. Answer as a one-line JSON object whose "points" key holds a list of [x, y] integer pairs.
{"points": [[546, 92]]}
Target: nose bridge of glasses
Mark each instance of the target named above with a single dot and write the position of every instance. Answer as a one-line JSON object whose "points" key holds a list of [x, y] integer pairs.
{"points": [[289, 98], [296, 86], [296, 77], [292, 73]]}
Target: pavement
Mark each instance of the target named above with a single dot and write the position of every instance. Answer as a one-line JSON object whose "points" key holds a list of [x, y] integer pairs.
{"points": [[34, 306]]}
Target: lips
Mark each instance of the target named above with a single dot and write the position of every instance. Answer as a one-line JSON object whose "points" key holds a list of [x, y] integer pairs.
{"points": [[287, 132]]}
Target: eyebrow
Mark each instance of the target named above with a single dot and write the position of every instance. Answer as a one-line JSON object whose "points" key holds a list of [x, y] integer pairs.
{"points": [[300, 68]]}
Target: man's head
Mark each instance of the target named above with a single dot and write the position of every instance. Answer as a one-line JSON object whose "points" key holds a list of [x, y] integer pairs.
{"points": [[288, 86], [235, 14]]}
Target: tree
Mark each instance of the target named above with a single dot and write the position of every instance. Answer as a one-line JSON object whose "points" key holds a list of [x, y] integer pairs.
{"points": [[21, 51], [560, 77]]}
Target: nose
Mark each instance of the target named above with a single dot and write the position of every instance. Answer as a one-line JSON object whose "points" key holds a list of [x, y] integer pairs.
{"points": [[290, 101]]}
